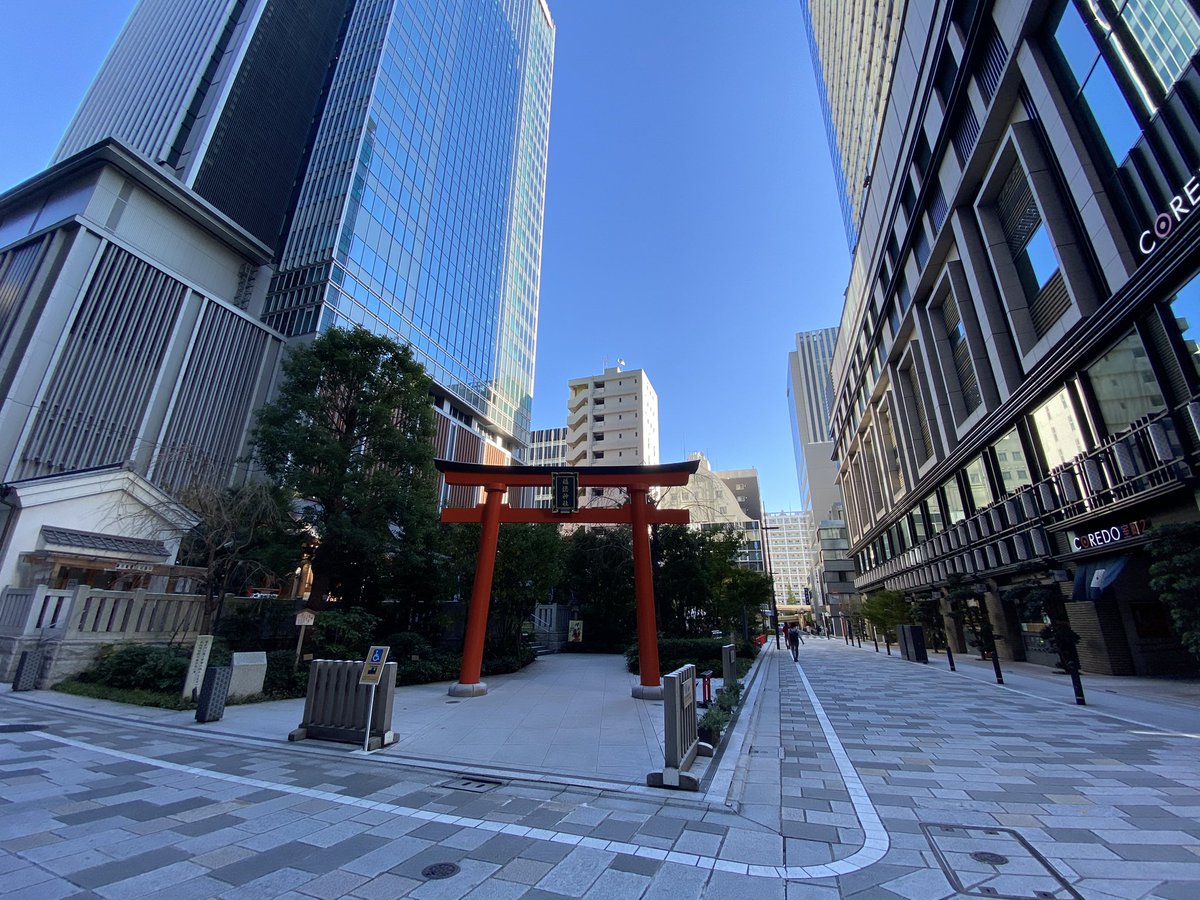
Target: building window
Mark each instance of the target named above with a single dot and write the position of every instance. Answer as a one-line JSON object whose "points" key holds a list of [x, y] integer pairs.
{"points": [[1057, 429], [956, 333], [1185, 308], [977, 483], [1095, 87], [1124, 385], [956, 510], [1032, 253], [1011, 462]]}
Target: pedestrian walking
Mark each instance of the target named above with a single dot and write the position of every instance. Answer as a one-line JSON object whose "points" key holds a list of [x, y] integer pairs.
{"points": [[793, 642]]}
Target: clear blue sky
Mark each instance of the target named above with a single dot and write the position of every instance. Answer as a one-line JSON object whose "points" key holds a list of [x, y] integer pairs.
{"points": [[691, 221]]}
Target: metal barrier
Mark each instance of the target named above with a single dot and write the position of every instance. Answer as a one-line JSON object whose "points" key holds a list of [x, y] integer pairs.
{"points": [[681, 744], [336, 706]]}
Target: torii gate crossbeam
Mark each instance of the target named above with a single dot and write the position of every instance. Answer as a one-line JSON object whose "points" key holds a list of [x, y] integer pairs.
{"points": [[638, 513]]}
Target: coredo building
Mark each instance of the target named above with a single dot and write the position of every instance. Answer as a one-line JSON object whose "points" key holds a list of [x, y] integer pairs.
{"points": [[1017, 388]]}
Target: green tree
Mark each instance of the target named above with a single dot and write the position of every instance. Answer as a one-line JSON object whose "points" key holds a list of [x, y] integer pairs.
{"points": [[1175, 577], [529, 566], [969, 610], [1043, 603], [241, 535], [743, 598], [597, 582], [885, 610], [692, 569], [350, 435]]}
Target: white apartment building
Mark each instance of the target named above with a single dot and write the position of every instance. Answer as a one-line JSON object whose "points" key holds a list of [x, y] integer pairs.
{"points": [[612, 420], [791, 556]]}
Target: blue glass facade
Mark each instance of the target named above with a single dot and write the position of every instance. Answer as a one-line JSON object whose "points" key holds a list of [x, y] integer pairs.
{"points": [[420, 215]]}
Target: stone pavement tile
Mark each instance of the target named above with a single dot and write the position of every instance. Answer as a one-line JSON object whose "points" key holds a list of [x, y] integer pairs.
{"points": [[699, 843], [52, 889], [880, 873], [752, 847], [799, 852], [334, 834], [577, 871], [1163, 871], [133, 846], [31, 842], [395, 826], [222, 856], [805, 831], [1147, 852], [525, 871], [728, 886], [706, 826], [639, 865], [386, 887], [155, 882], [676, 882], [295, 830], [619, 885], [119, 870], [23, 879], [468, 838], [269, 885], [471, 874], [1178, 891], [435, 831], [74, 846], [208, 825], [660, 826], [545, 851], [375, 862], [501, 848], [493, 889], [923, 884], [807, 890], [332, 884]]}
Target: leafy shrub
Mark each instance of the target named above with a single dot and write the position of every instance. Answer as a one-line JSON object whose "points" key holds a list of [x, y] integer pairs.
{"points": [[427, 671], [715, 719], [283, 679], [407, 644], [157, 699], [343, 634], [704, 653], [139, 666]]}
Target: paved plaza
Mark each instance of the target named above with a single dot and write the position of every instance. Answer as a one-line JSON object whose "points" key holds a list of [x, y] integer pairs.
{"points": [[853, 774]]}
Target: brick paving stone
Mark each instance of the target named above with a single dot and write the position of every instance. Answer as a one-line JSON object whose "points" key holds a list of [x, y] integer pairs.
{"points": [[386, 887], [576, 872]]}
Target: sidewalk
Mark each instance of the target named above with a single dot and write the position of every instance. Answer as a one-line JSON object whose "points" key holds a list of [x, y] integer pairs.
{"points": [[1170, 704], [850, 775]]}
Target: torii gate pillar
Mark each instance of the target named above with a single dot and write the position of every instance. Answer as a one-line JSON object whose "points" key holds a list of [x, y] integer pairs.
{"points": [[639, 514]]}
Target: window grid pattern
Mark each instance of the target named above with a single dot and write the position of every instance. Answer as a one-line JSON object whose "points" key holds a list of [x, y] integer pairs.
{"points": [[98, 393], [957, 335]]}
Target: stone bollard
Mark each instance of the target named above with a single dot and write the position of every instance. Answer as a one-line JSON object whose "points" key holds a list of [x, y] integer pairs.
{"points": [[210, 706]]}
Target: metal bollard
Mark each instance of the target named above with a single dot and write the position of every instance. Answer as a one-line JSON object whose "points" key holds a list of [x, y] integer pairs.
{"points": [[950, 658], [706, 688], [1076, 683], [996, 666]]}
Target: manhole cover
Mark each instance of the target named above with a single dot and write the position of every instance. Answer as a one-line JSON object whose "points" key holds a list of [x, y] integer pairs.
{"points": [[971, 856], [440, 870], [474, 785], [20, 726], [986, 856]]}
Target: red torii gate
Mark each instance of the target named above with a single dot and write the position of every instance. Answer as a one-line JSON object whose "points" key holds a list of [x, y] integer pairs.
{"points": [[495, 480]]}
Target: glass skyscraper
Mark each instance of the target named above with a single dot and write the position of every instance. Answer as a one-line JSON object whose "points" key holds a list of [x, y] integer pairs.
{"points": [[392, 152], [853, 46]]}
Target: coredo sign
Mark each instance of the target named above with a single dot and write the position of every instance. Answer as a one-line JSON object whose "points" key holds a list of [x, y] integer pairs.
{"points": [[1180, 207], [1112, 534]]}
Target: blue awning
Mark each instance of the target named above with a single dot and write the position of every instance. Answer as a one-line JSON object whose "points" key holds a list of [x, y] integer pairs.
{"points": [[1095, 576]]}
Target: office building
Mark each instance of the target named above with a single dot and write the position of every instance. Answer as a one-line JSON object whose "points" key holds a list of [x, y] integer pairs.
{"points": [[790, 543], [547, 447], [853, 45], [393, 160], [1017, 392], [810, 403]]}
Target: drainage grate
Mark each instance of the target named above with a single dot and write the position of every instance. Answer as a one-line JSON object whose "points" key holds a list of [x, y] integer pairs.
{"points": [[16, 727], [440, 870], [472, 784], [995, 862]]}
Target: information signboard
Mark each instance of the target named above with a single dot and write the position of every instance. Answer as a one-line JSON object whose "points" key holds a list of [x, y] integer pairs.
{"points": [[373, 665]]}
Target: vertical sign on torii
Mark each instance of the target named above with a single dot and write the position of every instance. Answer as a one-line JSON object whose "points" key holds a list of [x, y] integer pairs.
{"points": [[638, 513]]}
